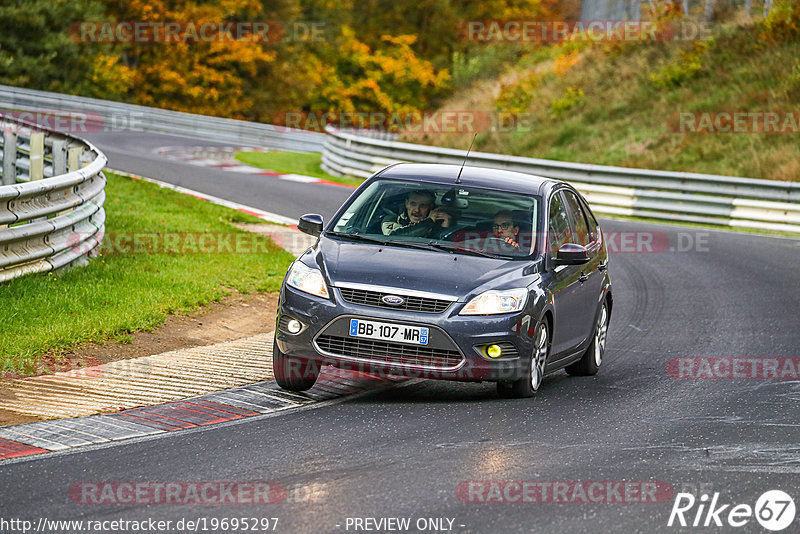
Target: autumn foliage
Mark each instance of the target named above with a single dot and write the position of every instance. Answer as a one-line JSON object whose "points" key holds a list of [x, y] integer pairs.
{"points": [[339, 57]]}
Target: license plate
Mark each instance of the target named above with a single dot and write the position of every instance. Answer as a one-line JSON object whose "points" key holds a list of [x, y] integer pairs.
{"points": [[415, 335]]}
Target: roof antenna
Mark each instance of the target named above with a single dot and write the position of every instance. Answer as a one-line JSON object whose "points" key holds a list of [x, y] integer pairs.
{"points": [[458, 178]]}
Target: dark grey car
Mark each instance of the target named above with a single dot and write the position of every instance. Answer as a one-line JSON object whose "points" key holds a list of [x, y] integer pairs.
{"points": [[483, 275]]}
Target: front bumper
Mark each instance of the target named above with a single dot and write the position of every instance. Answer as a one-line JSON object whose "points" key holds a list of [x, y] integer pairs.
{"points": [[454, 352]]}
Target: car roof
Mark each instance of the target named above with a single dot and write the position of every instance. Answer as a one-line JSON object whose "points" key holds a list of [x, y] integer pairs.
{"points": [[471, 177]]}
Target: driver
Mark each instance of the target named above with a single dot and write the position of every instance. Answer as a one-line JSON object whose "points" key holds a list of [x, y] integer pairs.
{"points": [[505, 228], [420, 218]]}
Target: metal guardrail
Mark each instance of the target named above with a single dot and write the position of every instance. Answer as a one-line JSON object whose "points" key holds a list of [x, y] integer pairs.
{"points": [[104, 115], [672, 196], [51, 200]]}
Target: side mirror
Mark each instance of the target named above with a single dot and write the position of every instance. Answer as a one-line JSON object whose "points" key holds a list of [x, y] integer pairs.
{"points": [[571, 254], [310, 224]]}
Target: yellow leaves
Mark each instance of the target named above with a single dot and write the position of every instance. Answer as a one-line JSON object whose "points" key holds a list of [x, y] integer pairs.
{"points": [[109, 74], [388, 78], [241, 8], [401, 40], [206, 76], [223, 77], [521, 9]]}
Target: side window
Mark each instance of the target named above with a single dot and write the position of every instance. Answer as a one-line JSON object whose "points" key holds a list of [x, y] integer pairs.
{"points": [[590, 218], [580, 229], [558, 231]]}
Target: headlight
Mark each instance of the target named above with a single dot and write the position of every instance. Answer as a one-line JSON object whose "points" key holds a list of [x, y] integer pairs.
{"points": [[494, 302], [307, 280]]}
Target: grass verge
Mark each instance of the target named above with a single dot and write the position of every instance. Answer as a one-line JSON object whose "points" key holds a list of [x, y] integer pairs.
{"points": [[641, 104], [131, 287], [307, 164]]}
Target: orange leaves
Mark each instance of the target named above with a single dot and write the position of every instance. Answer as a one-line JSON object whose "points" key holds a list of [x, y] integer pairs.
{"points": [[566, 61], [207, 75]]}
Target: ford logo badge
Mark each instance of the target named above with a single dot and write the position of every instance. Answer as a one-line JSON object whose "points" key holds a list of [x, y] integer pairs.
{"points": [[393, 300]]}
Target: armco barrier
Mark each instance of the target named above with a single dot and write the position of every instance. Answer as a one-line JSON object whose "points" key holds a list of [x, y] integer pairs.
{"points": [[51, 200], [105, 115], [673, 196]]}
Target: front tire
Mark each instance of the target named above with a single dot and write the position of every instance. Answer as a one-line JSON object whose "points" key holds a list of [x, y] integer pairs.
{"points": [[590, 363], [293, 374], [530, 384]]}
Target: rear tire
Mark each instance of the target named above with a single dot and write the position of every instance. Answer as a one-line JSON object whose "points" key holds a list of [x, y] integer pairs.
{"points": [[293, 374], [530, 384], [590, 363]]}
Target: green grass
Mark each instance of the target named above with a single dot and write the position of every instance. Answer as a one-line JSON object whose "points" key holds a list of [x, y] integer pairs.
{"points": [[307, 164], [119, 293], [633, 94]]}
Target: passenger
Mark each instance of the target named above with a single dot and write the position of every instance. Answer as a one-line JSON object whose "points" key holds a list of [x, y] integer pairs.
{"points": [[506, 229], [420, 218]]}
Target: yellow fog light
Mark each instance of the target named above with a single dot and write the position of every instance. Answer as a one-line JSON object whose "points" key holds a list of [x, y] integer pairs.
{"points": [[494, 351]]}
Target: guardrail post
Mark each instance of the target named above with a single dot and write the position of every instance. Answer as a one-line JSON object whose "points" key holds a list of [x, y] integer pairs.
{"points": [[74, 158], [9, 157], [53, 193], [60, 161], [37, 156], [59, 157], [86, 158]]}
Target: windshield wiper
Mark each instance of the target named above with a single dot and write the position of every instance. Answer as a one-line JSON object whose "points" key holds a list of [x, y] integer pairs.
{"points": [[452, 248], [358, 237], [385, 242]]}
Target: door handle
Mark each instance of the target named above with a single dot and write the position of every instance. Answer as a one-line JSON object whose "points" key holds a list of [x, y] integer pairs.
{"points": [[583, 278]]}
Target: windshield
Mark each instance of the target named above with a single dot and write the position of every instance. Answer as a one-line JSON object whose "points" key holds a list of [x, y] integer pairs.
{"points": [[452, 218]]}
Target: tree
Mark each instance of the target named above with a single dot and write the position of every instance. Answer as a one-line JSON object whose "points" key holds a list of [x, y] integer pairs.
{"points": [[209, 76], [37, 51]]}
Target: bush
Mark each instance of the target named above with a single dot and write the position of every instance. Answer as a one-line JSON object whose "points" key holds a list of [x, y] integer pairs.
{"points": [[783, 22], [517, 97], [573, 97], [688, 64]]}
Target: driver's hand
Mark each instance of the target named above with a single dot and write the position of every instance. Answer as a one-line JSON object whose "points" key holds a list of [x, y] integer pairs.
{"points": [[441, 215]]}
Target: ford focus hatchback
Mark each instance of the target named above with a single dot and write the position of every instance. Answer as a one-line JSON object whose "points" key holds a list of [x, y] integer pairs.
{"points": [[440, 272]]}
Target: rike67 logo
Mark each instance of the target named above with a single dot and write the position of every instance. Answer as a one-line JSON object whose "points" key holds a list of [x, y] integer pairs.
{"points": [[774, 510]]}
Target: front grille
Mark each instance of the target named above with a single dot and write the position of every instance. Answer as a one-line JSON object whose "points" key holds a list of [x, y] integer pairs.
{"points": [[373, 298], [383, 351]]}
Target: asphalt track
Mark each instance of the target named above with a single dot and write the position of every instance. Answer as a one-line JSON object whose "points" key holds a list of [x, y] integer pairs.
{"points": [[403, 452]]}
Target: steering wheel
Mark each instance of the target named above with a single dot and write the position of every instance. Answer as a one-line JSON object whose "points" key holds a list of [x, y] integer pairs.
{"points": [[449, 233], [497, 244]]}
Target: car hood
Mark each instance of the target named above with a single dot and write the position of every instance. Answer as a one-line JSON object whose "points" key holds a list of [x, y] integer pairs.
{"points": [[458, 275]]}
